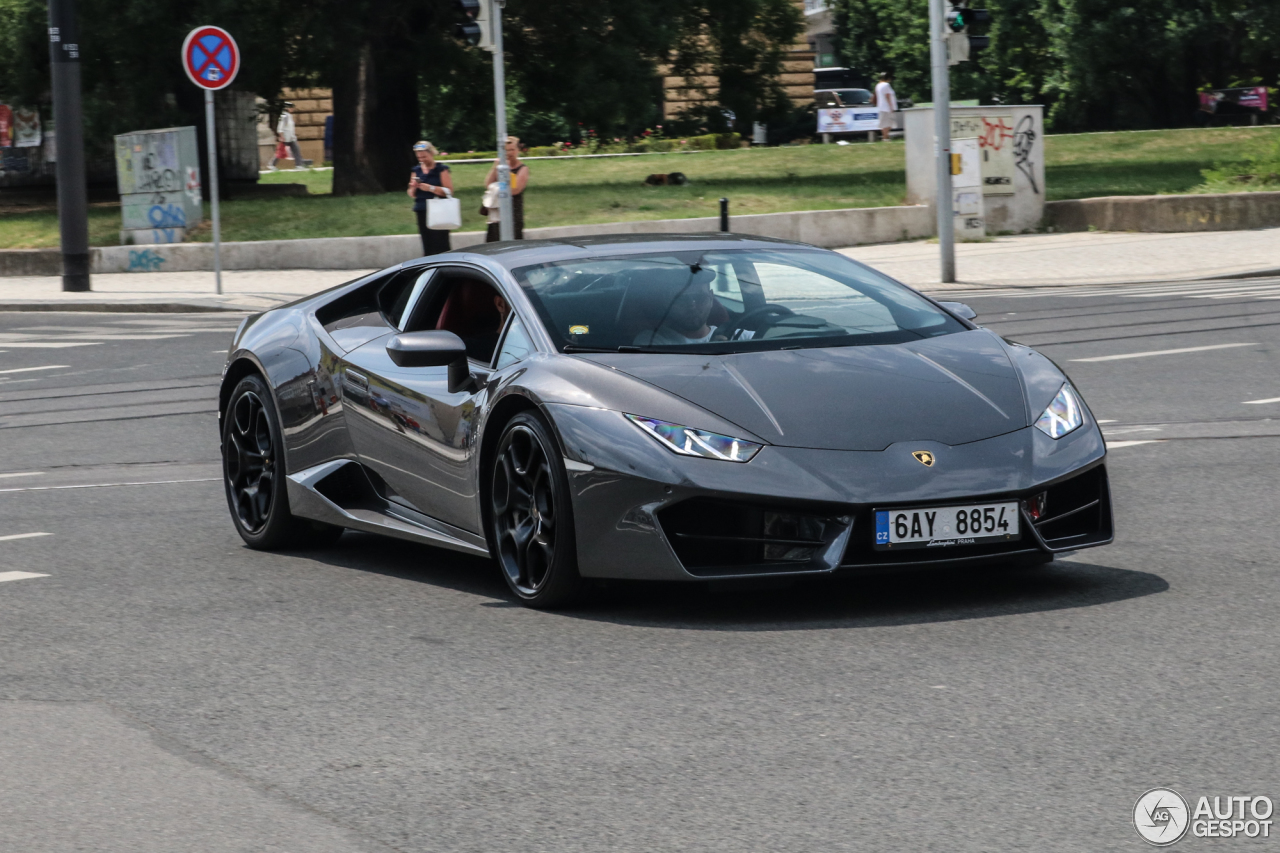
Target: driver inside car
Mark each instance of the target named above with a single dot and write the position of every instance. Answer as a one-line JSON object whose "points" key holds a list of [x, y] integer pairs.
{"points": [[687, 318]]}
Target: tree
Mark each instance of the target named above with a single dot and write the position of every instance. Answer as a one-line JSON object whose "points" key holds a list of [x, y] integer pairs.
{"points": [[592, 62], [743, 45], [1095, 64]]}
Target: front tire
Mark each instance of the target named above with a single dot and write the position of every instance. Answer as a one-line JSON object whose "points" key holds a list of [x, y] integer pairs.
{"points": [[530, 517], [253, 473]]}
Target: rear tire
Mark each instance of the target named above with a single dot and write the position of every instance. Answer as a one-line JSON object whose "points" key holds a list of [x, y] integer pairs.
{"points": [[530, 517], [253, 474]]}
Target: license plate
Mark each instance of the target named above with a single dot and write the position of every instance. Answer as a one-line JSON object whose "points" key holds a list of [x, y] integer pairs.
{"points": [[947, 526]]}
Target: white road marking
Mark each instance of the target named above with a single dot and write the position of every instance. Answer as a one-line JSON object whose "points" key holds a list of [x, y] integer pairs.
{"points": [[1258, 402], [12, 536], [1122, 430], [30, 369], [1111, 421], [19, 576], [103, 486], [1161, 352], [48, 345], [1112, 445], [22, 474]]}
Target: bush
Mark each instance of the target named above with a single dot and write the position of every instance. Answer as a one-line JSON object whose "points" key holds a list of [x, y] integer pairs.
{"points": [[544, 151], [468, 155]]}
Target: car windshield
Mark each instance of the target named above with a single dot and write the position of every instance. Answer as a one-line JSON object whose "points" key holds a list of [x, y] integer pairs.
{"points": [[726, 301], [854, 97]]}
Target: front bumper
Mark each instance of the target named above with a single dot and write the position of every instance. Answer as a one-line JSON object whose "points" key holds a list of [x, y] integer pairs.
{"points": [[642, 512]]}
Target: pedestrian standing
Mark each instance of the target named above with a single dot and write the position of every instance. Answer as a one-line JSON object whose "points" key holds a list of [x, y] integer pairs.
{"points": [[887, 101], [429, 179], [287, 134], [519, 180]]}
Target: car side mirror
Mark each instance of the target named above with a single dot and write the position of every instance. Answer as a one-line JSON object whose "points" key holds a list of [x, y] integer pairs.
{"points": [[433, 349], [960, 309]]}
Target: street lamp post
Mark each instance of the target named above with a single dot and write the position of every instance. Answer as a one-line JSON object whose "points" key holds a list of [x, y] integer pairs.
{"points": [[506, 227], [73, 203], [942, 135]]}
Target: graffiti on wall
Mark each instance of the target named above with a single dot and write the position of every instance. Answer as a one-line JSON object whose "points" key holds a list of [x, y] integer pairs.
{"points": [[994, 132], [144, 260], [1024, 141]]}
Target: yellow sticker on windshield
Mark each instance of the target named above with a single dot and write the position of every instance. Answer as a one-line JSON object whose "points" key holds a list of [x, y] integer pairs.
{"points": [[579, 330]]}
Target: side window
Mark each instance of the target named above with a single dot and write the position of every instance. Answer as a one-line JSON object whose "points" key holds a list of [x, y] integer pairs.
{"points": [[516, 346], [405, 307], [468, 306], [393, 298]]}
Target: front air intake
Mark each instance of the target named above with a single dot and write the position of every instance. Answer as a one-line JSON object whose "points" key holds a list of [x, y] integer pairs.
{"points": [[717, 538]]}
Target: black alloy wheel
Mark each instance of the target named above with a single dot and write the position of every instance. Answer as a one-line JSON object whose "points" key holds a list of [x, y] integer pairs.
{"points": [[531, 520], [253, 472]]}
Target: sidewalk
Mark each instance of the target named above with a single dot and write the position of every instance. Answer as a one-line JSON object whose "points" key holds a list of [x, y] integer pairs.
{"points": [[243, 290], [1096, 257], [1025, 260]]}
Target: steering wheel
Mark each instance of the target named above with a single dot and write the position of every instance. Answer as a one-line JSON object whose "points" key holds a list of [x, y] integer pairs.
{"points": [[770, 310]]}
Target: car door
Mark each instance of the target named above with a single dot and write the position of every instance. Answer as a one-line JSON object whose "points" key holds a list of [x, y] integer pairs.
{"points": [[418, 436]]}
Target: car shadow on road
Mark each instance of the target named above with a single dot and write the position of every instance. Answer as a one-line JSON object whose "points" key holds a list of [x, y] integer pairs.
{"points": [[382, 555], [913, 598], [849, 601]]}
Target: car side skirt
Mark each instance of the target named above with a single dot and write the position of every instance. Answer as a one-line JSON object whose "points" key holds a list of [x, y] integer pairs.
{"points": [[340, 493]]}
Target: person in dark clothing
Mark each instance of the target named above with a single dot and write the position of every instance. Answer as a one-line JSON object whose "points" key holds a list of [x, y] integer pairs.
{"points": [[519, 180], [429, 179]]}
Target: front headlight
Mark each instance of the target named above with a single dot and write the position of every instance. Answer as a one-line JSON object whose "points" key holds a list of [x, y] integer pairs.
{"points": [[1064, 414], [688, 441]]}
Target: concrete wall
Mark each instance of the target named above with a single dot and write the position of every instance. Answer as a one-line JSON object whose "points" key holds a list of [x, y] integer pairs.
{"points": [[1167, 213], [1022, 142], [31, 262], [827, 228]]}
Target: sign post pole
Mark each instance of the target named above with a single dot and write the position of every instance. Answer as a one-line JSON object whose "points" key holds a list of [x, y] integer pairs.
{"points": [[211, 59], [506, 228], [73, 204], [942, 135], [213, 188]]}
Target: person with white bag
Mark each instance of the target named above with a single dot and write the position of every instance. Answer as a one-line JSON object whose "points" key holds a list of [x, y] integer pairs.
{"points": [[431, 188], [519, 180]]}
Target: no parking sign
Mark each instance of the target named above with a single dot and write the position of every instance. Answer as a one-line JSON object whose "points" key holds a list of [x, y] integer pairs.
{"points": [[210, 57]]}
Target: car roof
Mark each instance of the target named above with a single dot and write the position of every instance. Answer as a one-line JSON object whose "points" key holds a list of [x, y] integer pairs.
{"points": [[528, 252]]}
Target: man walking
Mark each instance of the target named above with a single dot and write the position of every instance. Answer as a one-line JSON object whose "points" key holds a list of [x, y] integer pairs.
{"points": [[887, 101], [287, 133]]}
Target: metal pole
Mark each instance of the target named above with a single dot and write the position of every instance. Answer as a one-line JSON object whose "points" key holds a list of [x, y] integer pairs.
{"points": [[724, 214], [73, 202], [212, 144], [942, 135], [506, 227]]}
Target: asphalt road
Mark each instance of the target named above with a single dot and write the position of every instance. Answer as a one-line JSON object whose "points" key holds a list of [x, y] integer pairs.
{"points": [[163, 688]]}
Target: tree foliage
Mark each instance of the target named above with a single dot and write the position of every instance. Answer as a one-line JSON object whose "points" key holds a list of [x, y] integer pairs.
{"points": [[1096, 64], [742, 44]]}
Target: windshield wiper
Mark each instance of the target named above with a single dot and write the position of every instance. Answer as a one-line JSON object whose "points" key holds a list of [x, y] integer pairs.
{"points": [[624, 348]]}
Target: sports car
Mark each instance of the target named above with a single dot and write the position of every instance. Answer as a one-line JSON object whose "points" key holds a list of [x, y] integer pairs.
{"points": [[664, 407]]}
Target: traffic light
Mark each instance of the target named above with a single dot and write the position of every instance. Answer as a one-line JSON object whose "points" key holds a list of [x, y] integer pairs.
{"points": [[474, 28], [962, 43]]}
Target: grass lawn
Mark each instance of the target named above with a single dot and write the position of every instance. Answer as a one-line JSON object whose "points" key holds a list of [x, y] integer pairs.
{"points": [[813, 177]]}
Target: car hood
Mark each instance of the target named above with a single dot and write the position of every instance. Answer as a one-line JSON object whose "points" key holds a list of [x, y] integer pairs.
{"points": [[952, 389]]}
